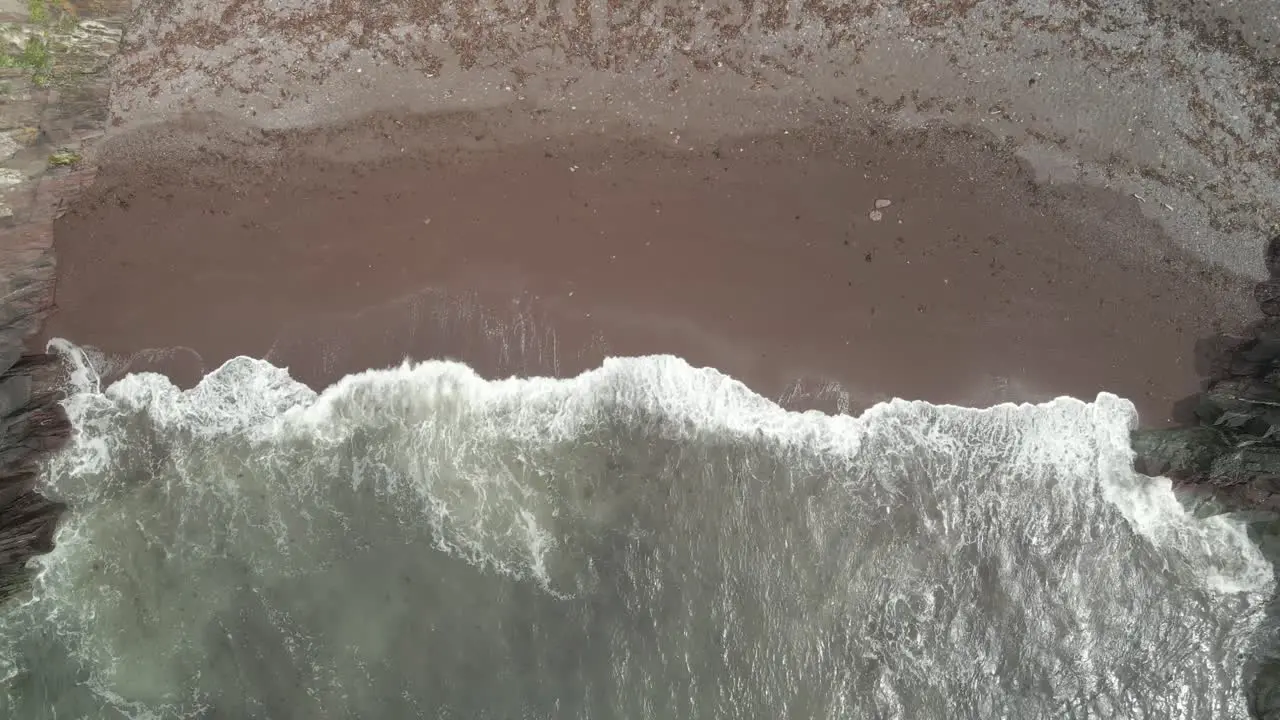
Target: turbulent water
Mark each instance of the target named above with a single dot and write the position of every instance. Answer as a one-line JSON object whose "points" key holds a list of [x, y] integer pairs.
{"points": [[647, 540]]}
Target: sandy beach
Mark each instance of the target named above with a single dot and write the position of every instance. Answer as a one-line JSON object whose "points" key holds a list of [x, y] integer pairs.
{"points": [[530, 190], [837, 204], [829, 267]]}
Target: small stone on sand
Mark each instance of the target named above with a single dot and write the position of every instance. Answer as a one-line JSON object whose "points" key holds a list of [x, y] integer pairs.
{"points": [[882, 204]]}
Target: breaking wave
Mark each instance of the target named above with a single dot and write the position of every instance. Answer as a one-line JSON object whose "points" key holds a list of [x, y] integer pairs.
{"points": [[647, 539]]}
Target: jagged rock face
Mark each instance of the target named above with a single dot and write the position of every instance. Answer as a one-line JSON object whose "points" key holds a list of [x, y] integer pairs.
{"points": [[8, 357], [31, 424], [1233, 454], [1236, 445], [1182, 452], [15, 392], [1254, 462], [1258, 358], [1243, 405]]}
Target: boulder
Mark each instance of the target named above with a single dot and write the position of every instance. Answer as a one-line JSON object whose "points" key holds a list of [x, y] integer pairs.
{"points": [[1232, 448], [1272, 256], [1256, 462], [1255, 358], [1267, 294], [1178, 453], [1248, 405]]}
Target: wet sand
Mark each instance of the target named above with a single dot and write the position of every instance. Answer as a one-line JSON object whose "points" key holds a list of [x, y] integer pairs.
{"points": [[686, 178], [530, 189], [338, 249]]}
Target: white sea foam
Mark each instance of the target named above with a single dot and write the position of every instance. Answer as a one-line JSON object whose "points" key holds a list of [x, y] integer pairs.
{"points": [[251, 465], [247, 396]]}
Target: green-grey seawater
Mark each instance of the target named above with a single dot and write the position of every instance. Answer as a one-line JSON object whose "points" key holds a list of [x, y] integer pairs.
{"points": [[647, 540]]}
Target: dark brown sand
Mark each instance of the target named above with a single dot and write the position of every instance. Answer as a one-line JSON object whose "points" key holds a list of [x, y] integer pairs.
{"points": [[338, 250]]}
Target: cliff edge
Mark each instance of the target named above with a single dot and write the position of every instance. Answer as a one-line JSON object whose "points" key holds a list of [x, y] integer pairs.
{"points": [[53, 103]]}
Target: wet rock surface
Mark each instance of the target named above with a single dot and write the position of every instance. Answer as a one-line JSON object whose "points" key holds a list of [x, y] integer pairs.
{"points": [[32, 423], [52, 105], [1227, 456], [34, 428], [1230, 448]]}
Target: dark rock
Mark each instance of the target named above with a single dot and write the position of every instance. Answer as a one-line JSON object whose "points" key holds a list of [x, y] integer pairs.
{"points": [[1257, 463], [1214, 355], [1255, 358], [1264, 351], [1231, 448], [1272, 256], [9, 356], [32, 424], [31, 420], [15, 392], [15, 486], [1184, 411], [1267, 293], [1228, 459], [1265, 700], [1246, 405], [1178, 453]]}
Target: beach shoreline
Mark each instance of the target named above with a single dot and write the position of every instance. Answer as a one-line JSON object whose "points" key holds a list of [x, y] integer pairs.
{"points": [[829, 267], [960, 203]]}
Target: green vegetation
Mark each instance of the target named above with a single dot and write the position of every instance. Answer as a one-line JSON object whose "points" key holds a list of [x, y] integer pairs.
{"points": [[33, 47], [35, 55], [64, 158], [38, 11]]}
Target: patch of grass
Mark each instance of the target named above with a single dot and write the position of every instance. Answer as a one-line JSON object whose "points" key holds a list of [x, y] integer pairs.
{"points": [[35, 55], [33, 46], [64, 158], [38, 11]]}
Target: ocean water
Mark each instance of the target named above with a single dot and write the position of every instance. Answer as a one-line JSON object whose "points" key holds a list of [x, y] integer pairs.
{"points": [[646, 540]]}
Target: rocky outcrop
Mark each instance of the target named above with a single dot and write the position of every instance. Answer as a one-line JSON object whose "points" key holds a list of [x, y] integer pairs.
{"points": [[55, 101], [1230, 452], [31, 420], [32, 424]]}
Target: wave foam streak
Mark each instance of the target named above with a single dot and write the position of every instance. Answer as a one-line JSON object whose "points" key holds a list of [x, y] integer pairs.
{"points": [[644, 540]]}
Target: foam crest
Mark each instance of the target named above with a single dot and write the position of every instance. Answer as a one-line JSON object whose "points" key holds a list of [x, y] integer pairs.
{"points": [[640, 486], [440, 407]]}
